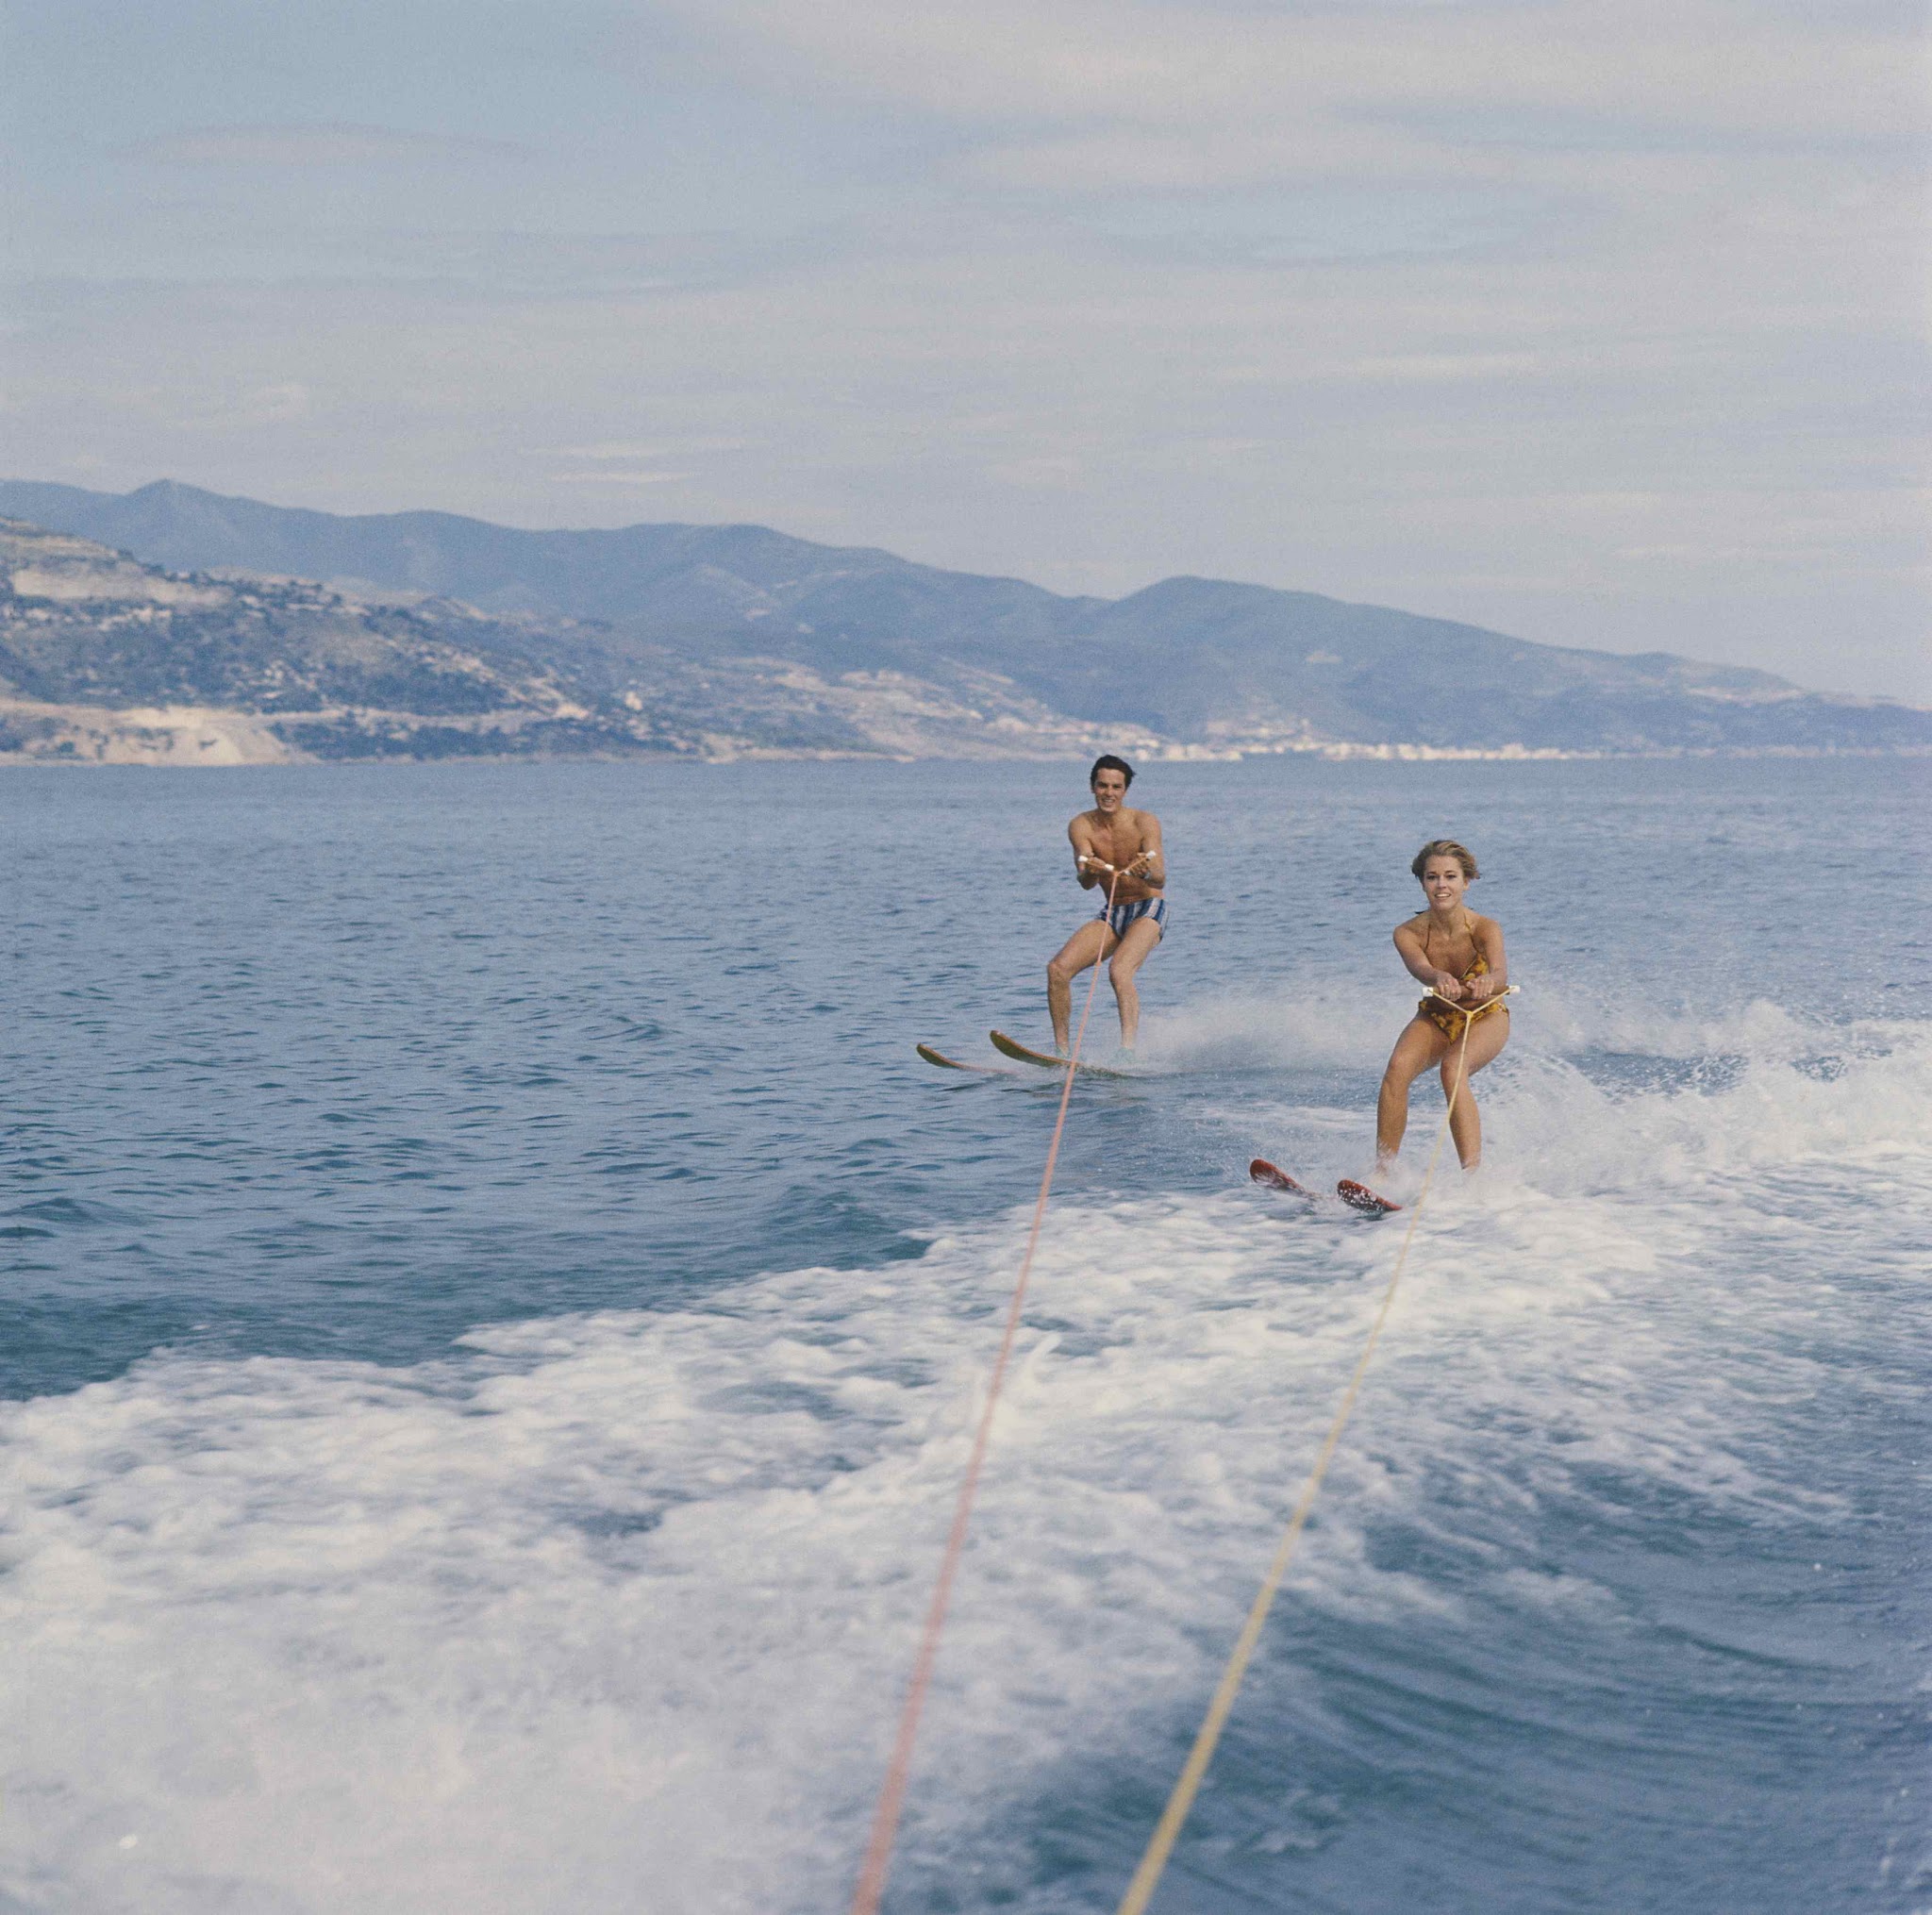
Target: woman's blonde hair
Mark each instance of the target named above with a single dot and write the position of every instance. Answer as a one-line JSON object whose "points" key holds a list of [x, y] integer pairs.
{"points": [[1446, 847]]}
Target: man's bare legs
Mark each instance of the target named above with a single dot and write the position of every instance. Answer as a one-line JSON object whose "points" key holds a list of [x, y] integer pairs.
{"points": [[1092, 942], [1419, 1048], [1089, 945], [1134, 949]]}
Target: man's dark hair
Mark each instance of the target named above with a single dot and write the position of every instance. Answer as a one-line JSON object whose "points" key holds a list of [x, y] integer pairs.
{"points": [[1108, 762]]}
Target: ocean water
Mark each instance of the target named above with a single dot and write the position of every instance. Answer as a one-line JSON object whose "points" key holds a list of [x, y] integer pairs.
{"points": [[493, 1311]]}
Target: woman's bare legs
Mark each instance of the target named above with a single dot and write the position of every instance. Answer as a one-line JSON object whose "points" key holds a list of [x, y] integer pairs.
{"points": [[1486, 1038], [1421, 1047]]}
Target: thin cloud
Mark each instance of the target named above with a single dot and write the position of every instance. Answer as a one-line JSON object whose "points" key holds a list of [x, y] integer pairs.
{"points": [[622, 449], [1255, 95], [618, 478], [1433, 368], [315, 146]]}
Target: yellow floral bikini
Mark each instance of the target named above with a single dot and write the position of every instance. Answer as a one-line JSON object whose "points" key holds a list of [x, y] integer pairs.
{"points": [[1448, 1018]]}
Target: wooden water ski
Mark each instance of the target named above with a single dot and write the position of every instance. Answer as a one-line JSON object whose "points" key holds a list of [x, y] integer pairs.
{"points": [[946, 1063], [1012, 1047]]}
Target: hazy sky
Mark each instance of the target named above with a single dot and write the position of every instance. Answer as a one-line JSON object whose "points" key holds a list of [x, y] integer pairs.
{"points": [[1597, 320]]}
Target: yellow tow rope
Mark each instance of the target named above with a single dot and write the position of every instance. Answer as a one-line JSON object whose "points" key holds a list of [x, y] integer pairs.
{"points": [[1167, 1830]]}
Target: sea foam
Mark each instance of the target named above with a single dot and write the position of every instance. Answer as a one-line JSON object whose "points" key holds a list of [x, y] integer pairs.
{"points": [[613, 1611]]}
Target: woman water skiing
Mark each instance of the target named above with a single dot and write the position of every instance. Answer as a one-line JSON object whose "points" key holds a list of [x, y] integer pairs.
{"points": [[1458, 957]]}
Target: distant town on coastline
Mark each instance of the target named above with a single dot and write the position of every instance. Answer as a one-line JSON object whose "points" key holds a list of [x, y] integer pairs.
{"points": [[171, 625]]}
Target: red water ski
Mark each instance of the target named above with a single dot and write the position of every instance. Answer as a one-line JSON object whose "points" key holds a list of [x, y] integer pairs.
{"points": [[1276, 1178], [1359, 1197]]}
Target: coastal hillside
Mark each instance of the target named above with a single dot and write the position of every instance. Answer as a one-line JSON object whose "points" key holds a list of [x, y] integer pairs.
{"points": [[106, 658], [740, 638]]}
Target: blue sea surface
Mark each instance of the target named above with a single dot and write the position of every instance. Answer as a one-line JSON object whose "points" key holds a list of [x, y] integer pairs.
{"points": [[495, 1310]]}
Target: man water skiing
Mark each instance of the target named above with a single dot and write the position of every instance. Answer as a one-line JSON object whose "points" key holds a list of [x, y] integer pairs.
{"points": [[1115, 846]]}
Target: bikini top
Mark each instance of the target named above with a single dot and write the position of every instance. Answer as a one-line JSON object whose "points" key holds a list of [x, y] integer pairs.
{"points": [[1479, 965]]}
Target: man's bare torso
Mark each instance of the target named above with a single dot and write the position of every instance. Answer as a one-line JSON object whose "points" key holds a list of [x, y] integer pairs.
{"points": [[1118, 840]]}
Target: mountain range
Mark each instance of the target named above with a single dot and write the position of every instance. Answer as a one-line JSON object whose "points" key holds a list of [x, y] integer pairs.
{"points": [[721, 639]]}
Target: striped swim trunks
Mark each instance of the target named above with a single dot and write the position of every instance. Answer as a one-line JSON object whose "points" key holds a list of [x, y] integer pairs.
{"points": [[1132, 912]]}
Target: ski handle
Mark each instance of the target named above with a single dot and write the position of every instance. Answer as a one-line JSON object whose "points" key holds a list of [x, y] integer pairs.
{"points": [[1462, 1003]]}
